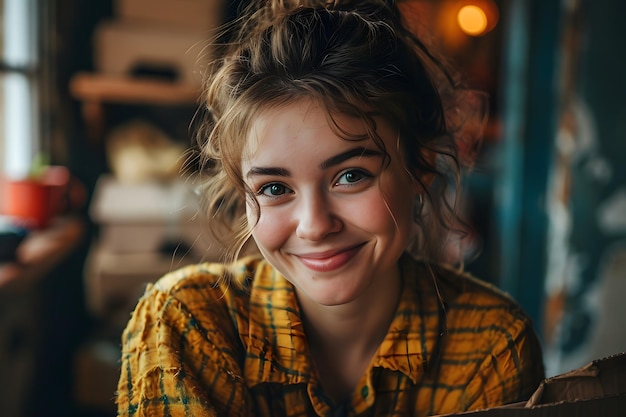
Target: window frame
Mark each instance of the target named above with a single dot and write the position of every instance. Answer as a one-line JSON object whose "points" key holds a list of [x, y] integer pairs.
{"points": [[21, 85]]}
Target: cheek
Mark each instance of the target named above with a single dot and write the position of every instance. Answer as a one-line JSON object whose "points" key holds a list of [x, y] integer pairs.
{"points": [[396, 207], [382, 213], [271, 230], [373, 215]]}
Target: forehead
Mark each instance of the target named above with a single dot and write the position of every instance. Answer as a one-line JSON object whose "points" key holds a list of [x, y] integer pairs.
{"points": [[308, 118]]}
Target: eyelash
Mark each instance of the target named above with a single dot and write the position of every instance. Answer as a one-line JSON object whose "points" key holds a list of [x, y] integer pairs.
{"points": [[265, 187], [363, 175]]}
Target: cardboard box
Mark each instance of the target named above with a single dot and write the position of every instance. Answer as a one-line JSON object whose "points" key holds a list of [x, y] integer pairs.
{"points": [[204, 15], [145, 217], [175, 54], [114, 282], [146, 230], [596, 389]]}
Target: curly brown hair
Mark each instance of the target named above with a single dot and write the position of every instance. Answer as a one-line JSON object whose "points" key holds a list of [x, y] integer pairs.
{"points": [[356, 58]]}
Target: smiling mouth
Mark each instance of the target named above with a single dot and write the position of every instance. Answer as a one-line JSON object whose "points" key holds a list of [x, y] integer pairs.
{"points": [[329, 261]]}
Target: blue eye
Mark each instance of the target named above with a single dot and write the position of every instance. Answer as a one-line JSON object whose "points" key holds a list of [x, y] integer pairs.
{"points": [[274, 189], [352, 176]]}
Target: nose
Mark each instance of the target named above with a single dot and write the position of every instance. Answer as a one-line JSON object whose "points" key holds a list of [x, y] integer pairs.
{"points": [[316, 219]]}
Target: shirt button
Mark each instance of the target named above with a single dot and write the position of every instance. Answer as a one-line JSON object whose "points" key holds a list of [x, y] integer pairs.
{"points": [[365, 391]]}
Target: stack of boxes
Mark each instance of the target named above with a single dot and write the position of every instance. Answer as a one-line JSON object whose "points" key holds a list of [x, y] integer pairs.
{"points": [[166, 37], [146, 228], [141, 223]]}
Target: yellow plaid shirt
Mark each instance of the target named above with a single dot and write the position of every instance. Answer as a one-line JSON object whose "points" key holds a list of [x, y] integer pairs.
{"points": [[201, 345]]}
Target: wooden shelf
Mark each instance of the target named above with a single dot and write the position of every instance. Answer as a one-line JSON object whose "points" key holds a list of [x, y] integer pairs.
{"points": [[98, 88]]}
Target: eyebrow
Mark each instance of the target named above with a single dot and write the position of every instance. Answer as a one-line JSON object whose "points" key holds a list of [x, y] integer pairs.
{"points": [[274, 172], [330, 162], [349, 154]]}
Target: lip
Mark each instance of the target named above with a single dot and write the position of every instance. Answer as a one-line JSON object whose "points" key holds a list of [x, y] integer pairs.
{"points": [[329, 260]]}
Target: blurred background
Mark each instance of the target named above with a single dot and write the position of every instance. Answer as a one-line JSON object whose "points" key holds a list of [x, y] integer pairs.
{"points": [[97, 105]]}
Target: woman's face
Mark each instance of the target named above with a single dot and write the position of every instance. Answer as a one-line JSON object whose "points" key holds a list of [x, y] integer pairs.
{"points": [[333, 218]]}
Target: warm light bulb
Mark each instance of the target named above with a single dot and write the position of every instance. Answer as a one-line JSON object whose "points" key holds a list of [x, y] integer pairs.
{"points": [[472, 20]]}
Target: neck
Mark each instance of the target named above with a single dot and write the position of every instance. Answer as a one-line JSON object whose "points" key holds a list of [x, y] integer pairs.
{"points": [[343, 339]]}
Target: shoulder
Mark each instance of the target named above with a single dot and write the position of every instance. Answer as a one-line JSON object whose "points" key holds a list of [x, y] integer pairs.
{"points": [[464, 291], [210, 294], [487, 340], [488, 325], [207, 299], [209, 281], [471, 305], [183, 343], [484, 310]]}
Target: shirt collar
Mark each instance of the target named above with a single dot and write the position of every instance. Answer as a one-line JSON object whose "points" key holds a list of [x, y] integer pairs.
{"points": [[278, 352], [411, 342]]}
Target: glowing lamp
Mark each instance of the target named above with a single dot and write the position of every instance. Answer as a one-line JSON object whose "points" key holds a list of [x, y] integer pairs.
{"points": [[477, 17]]}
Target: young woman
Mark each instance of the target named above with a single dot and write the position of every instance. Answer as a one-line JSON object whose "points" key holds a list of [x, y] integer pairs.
{"points": [[332, 138]]}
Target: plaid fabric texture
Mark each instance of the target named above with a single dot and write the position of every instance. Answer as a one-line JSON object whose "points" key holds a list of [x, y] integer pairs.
{"points": [[210, 340]]}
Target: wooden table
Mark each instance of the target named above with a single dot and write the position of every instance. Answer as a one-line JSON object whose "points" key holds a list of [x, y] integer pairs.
{"points": [[21, 314], [39, 253]]}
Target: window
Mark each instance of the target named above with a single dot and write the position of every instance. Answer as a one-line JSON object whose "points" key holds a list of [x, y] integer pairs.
{"points": [[19, 80]]}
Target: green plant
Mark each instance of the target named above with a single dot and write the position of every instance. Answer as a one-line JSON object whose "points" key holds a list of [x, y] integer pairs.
{"points": [[39, 166]]}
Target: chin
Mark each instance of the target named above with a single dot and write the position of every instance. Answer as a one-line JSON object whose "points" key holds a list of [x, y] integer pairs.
{"points": [[329, 295]]}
